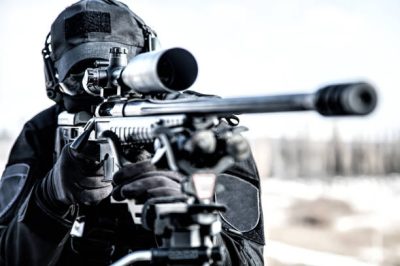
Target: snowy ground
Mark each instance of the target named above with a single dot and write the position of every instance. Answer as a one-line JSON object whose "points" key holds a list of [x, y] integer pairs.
{"points": [[343, 222]]}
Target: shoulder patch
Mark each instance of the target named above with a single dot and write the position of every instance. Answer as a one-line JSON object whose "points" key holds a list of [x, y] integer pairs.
{"points": [[12, 182], [242, 200]]}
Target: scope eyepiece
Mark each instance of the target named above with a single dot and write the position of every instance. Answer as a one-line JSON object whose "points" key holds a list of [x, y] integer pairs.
{"points": [[94, 80]]}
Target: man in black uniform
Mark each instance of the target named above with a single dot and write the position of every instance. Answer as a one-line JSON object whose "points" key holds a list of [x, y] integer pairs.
{"points": [[40, 197]]}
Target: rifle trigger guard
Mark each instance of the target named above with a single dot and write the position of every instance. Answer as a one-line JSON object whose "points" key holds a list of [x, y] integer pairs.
{"points": [[165, 148]]}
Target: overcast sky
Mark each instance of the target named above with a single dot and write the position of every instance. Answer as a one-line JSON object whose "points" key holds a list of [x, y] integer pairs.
{"points": [[242, 48]]}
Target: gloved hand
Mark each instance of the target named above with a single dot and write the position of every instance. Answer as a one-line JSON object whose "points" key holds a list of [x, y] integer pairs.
{"points": [[142, 181], [76, 178]]}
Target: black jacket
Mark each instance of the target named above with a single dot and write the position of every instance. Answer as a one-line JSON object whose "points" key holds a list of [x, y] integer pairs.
{"points": [[32, 235]]}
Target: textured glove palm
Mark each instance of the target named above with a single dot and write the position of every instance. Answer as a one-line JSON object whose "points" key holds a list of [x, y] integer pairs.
{"points": [[142, 181]]}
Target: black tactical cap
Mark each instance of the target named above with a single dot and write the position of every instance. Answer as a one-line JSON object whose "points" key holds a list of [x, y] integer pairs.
{"points": [[89, 28]]}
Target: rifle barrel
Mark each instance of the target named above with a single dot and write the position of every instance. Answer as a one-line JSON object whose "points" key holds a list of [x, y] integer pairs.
{"points": [[263, 104], [333, 100]]}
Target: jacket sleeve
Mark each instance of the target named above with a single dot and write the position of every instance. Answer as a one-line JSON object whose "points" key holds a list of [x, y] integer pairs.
{"points": [[242, 223], [33, 235], [28, 233]]}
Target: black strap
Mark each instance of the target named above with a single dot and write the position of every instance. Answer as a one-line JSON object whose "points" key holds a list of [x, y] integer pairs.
{"points": [[56, 256]]}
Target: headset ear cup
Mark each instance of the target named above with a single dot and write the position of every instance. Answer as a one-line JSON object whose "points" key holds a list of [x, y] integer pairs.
{"points": [[52, 82]]}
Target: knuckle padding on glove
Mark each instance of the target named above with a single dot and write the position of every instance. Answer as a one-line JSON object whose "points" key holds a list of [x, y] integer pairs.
{"points": [[132, 171], [74, 161], [164, 191], [145, 186], [141, 181], [149, 182]]}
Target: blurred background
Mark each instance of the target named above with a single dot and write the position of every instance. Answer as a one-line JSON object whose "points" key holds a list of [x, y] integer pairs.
{"points": [[331, 187]]}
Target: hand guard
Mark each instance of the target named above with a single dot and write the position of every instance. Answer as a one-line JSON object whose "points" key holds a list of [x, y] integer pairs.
{"points": [[142, 181]]}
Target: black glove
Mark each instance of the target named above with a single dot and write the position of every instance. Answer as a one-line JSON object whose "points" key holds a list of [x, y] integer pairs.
{"points": [[75, 178], [142, 181]]}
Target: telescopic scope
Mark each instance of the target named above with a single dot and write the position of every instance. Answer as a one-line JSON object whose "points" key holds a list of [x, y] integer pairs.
{"points": [[167, 70]]}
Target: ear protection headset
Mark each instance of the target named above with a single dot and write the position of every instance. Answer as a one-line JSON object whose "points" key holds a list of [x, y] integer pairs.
{"points": [[51, 77]]}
